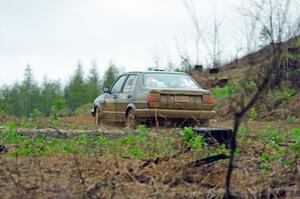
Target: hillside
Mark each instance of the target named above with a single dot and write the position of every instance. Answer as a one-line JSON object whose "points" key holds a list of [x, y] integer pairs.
{"points": [[237, 81]]}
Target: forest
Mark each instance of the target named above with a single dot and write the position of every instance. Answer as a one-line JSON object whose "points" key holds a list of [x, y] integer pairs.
{"points": [[26, 97]]}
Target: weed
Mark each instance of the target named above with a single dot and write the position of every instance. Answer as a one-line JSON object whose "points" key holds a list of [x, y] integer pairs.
{"points": [[188, 134], [2, 113], [102, 140], [143, 133], [279, 96], [136, 152], [83, 109], [271, 134], [253, 114], [192, 140], [9, 136], [219, 92], [226, 91], [197, 142], [250, 86], [295, 136], [274, 152], [265, 166], [53, 117], [291, 119], [243, 131], [221, 149], [33, 121]]}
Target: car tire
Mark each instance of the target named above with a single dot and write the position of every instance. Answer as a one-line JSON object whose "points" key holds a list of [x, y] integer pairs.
{"points": [[97, 115], [131, 120]]}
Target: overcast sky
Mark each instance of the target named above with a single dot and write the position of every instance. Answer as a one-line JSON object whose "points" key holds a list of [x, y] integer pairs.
{"points": [[53, 35]]}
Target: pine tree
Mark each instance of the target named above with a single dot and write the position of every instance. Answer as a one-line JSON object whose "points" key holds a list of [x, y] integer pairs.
{"points": [[110, 75], [75, 92], [29, 93], [51, 96], [93, 84]]}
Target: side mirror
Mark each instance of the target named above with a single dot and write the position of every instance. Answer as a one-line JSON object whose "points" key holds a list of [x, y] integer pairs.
{"points": [[105, 90]]}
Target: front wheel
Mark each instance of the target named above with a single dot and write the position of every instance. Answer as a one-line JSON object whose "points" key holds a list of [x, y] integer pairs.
{"points": [[131, 119], [97, 116]]}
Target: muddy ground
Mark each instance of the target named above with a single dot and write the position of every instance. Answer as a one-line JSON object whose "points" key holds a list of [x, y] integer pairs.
{"points": [[71, 176], [76, 176]]}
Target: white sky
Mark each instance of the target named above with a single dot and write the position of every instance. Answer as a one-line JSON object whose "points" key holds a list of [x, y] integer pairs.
{"points": [[53, 35]]}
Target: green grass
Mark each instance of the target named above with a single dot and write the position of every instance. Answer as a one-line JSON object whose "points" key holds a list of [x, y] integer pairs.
{"points": [[291, 119], [139, 145], [226, 91], [282, 96], [281, 146], [276, 146], [192, 140], [132, 145]]}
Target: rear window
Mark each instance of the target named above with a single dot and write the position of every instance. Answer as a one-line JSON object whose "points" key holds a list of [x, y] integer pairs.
{"points": [[169, 81]]}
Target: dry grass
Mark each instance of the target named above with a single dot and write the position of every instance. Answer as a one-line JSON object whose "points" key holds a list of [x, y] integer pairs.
{"points": [[102, 176]]}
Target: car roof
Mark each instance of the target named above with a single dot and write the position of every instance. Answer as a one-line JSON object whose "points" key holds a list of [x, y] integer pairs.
{"points": [[158, 72]]}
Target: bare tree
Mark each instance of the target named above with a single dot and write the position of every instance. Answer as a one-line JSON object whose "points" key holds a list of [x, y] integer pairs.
{"points": [[271, 16], [216, 43], [189, 4], [211, 44]]}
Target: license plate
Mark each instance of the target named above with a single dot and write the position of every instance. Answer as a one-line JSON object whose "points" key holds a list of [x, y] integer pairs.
{"points": [[181, 99]]}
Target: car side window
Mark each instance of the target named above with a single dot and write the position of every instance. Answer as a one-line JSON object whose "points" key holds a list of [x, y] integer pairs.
{"points": [[129, 85], [118, 85]]}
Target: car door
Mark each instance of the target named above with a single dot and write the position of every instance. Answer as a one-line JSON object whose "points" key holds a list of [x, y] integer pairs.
{"points": [[126, 96], [109, 105]]}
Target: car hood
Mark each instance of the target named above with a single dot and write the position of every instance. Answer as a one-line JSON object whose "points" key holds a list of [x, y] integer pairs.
{"points": [[100, 99]]}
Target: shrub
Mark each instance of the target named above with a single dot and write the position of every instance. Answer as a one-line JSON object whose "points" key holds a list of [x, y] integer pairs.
{"points": [[53, 117], [295, 135], [192, 140], [84, 109], [291, 119], [218, 92], [188, 134], [279, 96], [251, 86], [33, 121], [243, 131], [271, 134], [253, 114], [228, 90]]}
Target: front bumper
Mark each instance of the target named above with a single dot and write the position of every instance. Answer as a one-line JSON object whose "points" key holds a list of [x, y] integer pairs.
{"points": [[175, 114], [93, 113]]}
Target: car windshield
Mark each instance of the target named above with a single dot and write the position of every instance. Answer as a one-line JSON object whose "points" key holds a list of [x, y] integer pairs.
{"points": [[169, 81]]}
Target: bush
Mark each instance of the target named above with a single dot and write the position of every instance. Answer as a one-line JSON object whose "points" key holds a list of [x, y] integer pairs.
{"points": [[279, 96], [274, 151], [295, 135], [53, 117], [253, 114], [2, 113], [192, 140], [251, 86], [84, 109], [64, 112], [33, 121], [228, 90], [291, 119], [218, 92]]}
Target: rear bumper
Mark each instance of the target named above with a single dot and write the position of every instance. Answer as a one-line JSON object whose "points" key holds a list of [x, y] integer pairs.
{"points": [[175, 114]]}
